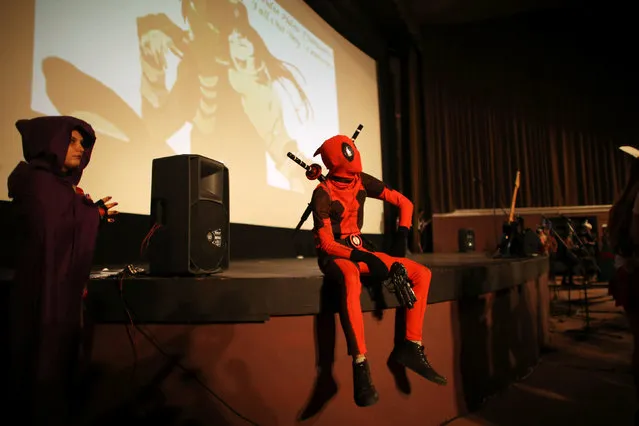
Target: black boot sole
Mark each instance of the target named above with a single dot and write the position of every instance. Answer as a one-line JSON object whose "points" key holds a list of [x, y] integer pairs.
{"points": [[368, 400], [398, 371], [439, 380]]}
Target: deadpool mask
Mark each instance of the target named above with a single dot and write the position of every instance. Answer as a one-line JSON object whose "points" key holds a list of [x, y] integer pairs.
{"points": [[340, 156]]}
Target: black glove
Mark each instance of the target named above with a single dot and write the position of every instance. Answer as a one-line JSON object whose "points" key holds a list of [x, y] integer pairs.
{"points": [[400, 243], [376, 267], [102, 206]]}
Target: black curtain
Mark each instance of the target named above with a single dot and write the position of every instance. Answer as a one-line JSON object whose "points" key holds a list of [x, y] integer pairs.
{"points": [[540, 94]]}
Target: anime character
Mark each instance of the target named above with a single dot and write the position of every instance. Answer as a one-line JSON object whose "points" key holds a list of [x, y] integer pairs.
{"points": [[220, 55], [229, 89]]}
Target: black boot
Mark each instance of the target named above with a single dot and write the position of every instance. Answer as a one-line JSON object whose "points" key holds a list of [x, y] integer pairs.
{"points": [[411, 355], [364, 390]]}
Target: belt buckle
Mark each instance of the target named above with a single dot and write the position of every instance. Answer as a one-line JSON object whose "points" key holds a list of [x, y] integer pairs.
{"points": [[355, 240]]}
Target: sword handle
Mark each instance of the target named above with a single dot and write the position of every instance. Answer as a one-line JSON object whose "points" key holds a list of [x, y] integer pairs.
{"points": [[356, 134], [314, 171]]}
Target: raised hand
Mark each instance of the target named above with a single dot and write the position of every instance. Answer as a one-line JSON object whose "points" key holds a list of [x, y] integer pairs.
{"points": [[107, 207]]}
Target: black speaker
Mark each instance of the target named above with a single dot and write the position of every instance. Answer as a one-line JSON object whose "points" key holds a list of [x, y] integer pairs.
{"points": [[466, 240], [190, 202], [531, 243]]}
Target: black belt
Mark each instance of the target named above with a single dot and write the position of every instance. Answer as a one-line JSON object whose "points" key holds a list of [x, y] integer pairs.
{"points": [[356, 241]]}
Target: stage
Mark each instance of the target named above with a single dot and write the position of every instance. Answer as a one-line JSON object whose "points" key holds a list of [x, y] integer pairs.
{"points": [[263, 337], [254, 291]]}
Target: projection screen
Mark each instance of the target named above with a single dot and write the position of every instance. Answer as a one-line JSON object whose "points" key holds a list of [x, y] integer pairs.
{"points": [[241, 82]]}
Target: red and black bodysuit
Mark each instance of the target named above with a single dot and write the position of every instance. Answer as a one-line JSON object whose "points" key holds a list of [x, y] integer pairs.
{"points": [[338, 215], [343, 255]]}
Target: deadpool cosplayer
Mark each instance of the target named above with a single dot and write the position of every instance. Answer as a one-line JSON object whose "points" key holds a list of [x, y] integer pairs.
{"points": [[343, 256]]}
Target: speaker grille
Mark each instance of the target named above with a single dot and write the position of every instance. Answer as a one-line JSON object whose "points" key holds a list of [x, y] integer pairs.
{"points": [[209, 235]]}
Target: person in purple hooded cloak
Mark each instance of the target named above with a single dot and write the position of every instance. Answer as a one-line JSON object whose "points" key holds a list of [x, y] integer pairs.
{"points": [[58, 227]]}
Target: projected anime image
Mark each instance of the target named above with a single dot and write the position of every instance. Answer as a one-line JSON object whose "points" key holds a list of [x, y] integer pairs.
{"points": [[238, 81]]}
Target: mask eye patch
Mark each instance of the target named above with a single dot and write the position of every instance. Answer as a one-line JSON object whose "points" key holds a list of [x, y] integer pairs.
{"points": [[348, 152]]}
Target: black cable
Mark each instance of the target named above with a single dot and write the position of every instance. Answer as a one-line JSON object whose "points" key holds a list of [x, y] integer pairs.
{"points": [[132, 271], [129, 331]]}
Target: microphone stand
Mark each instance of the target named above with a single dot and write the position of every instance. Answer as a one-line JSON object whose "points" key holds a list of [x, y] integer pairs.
{"points": [[314, 171], [493, 203], [568, 253], [586, 280]]}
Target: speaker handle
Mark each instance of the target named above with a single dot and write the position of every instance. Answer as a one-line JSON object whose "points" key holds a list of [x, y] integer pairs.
{"points": [[157, 211]]}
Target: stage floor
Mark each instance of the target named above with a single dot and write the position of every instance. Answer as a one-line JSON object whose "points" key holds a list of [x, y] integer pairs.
{"points": [[307, 267], [255, 290]]}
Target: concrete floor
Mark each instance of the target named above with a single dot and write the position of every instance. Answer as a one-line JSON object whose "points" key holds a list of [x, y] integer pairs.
{"points": [[583, 380]]}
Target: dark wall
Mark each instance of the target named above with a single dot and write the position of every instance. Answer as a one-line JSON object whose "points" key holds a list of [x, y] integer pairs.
{"points": [[573, 65]]}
